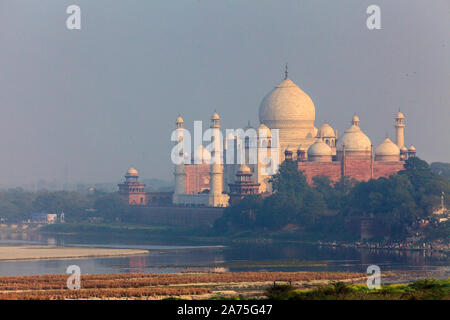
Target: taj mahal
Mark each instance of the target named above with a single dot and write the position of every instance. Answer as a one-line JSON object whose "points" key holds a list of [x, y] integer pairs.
{"points": [[317, 152]]}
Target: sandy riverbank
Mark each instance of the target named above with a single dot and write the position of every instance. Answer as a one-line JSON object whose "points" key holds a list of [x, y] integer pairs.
{"points": [[53, 252]]}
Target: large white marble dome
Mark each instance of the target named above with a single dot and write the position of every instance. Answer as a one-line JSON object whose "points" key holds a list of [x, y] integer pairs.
{"points": [[287, 106]]}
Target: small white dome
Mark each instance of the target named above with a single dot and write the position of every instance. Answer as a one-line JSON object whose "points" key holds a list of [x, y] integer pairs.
{"points": [[319, 148], [264, 131], [403, 149], [412, 148], [215, 116], [201, 153], [387, 148], [244, 168], [326, 131], [132, 172], [179, 120], [354, 140], [400, 115]]}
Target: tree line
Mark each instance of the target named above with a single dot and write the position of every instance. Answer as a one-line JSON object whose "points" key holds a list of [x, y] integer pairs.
{"points": [[17, 205], [327, 209]]}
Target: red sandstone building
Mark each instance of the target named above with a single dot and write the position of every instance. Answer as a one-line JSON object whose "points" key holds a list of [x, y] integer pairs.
{"points": [[243, 186], [351, 155], [287, 132], [132, 189], [134, 192]]}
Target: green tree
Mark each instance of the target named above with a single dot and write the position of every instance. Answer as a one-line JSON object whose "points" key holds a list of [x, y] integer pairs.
{"points": [[111, 206], [73, 204], [280, 209], [242, 215], [441, 168], [289, 179], [314, 207]]}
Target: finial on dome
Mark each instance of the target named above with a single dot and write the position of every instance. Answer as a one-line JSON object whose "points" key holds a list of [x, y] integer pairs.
{"points": [[355, 120], [132, 172], [400, 115], [179, 122], [215, 116], [286, 72]]}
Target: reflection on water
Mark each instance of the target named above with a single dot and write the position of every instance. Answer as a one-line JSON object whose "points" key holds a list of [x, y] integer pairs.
{"points": [[271, 257]]}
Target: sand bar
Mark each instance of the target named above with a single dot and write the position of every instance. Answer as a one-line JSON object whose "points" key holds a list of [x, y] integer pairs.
{"points": [[53, 252]]}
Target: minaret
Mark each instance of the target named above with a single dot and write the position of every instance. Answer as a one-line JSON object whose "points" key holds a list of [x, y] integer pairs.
{"points": [[264, 154], [216, 174], [132, 189], [216, 184], [179, 173], [400, 129]]}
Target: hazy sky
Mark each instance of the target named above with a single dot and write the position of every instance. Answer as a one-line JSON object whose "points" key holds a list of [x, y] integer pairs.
{"points": [[98, 100]]}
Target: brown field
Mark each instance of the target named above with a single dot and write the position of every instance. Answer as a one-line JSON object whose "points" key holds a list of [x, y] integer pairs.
{"points": [[158, 286]]}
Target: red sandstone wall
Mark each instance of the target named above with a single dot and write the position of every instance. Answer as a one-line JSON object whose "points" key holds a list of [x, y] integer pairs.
{"points": [[313, 169], [385, 169], [135, 199], [357, 169], [354, 168], [197, 177]]}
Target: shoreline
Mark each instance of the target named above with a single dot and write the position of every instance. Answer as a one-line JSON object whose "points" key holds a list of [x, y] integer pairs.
{"points": [[39, 252], [176, 236], [375, 246]]}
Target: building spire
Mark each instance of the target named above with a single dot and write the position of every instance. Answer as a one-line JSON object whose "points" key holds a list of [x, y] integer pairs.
{"points": [[286, 72]]}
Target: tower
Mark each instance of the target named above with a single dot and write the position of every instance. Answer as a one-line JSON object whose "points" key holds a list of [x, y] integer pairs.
{"points": [[216, 196], [179, 173], [264, 158], [133, 189], [216, 180], [243, 185], [400, 129]]}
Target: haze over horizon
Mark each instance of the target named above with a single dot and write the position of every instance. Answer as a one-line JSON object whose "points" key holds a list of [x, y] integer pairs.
{"points": [[85, 105]]}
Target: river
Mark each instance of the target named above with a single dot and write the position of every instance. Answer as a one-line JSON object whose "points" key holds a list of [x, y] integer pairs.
{"points": [[243, 257]]}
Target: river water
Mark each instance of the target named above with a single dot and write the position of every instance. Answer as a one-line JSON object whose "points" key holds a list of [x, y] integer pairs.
{"points": [[242, 257]]}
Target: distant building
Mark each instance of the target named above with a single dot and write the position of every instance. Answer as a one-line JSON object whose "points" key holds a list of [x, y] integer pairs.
{"points": [[442, 212], [243, 186], [317, 151], [44, 218], [216, 197], [132, 189]]}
